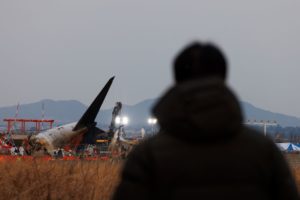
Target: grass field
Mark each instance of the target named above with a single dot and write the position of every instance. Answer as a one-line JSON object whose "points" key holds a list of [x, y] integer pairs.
{"points": [[59, 179], [294, 161], [40, 179]]}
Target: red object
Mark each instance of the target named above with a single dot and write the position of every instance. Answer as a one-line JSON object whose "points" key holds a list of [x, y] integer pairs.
{"points": [[23, 122], [67, 148]]}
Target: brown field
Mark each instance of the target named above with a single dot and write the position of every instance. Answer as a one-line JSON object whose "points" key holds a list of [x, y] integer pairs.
{"points": [[296, 171], [58, 179], [294, 161]]}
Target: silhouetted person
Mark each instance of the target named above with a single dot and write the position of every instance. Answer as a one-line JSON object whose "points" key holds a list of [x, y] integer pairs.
{"points": [[203, 150]]}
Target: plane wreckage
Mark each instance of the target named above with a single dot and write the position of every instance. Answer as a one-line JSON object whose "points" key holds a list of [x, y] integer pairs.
{"points": [[74, 134], [82, 132]]}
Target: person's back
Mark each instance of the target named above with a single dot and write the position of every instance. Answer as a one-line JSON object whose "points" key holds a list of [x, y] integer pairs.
{"points": [[203, 151]]}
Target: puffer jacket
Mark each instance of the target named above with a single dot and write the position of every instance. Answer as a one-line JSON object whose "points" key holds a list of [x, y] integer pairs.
{"points": [[204, 151]]}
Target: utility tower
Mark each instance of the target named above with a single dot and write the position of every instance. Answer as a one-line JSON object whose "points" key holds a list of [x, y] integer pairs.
{"points": [[263, 123]]}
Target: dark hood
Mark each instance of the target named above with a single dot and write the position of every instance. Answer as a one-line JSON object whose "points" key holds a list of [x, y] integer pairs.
{"points": [[199, 109]]}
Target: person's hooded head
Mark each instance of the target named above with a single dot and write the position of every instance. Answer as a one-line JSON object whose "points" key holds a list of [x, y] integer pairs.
{"points": [[199, 60], [199, 103]]}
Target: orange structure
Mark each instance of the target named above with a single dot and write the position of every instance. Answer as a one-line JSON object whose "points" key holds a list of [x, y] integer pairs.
{"points": [[11, 121]]}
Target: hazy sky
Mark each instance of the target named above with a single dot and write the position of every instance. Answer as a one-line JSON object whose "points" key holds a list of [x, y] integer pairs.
{"points": [[68, 49]]}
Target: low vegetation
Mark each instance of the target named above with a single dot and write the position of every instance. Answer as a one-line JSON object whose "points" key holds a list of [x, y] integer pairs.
{"points": [[294, 161], [296, 171], [58, 179], [65, 179]]}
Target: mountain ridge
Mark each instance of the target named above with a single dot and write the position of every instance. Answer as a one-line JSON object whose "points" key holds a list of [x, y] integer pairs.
{"points": [[65, 111]]}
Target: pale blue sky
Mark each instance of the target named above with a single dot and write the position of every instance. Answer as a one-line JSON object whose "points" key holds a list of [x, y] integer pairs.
{"points": [[67, 49]]}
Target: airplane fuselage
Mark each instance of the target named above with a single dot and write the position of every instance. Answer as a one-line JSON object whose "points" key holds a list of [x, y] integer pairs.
{"points": [[57, 137]]}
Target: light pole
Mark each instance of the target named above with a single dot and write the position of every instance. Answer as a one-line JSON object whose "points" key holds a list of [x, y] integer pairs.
{"points": [[265, 123], [121, 121], [152, 121]]}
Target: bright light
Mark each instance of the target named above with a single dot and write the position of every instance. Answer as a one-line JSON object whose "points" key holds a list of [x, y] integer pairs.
{"points": [[125, 120], [122, 120], [152, 121], [118, 120]]}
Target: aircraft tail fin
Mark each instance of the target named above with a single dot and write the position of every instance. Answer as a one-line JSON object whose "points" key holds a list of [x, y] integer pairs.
{"points": [[88, 118]]}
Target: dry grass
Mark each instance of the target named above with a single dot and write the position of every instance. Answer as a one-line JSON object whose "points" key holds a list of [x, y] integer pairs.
{"points": [[40, 179], [294, 161], [296, 171]]}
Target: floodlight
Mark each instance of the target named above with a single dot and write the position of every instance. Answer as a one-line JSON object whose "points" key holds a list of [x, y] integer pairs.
{"points": [[118, 120], [154, 120], [125, 120]]}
